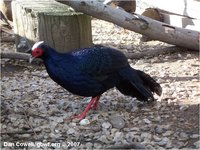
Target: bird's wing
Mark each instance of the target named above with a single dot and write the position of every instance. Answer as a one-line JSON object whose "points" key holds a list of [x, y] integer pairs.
{"points": [[100, 62]]}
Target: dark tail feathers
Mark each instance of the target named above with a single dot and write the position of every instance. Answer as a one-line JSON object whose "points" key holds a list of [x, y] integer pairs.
{"points": [[138, 84], [150, 83]]}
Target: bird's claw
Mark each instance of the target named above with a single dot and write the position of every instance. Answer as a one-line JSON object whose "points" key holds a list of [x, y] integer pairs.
{"points": [[79, 117]]}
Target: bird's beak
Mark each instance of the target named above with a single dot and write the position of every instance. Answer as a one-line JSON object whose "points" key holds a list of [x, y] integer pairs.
{"points": [[31, 58]]}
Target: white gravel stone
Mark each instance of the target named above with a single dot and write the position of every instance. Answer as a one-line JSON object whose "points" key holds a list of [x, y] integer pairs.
{"points": [[113, 131], [163, 142], [183, 136], [89, 145], [197, 144], [183, 107], [106, 125], [84, 122], [194, 136], [167, 133], [146, 136], [103, 139], [169, 145], [129, 136], [147, 121], [97, 145], [71, 131], [119, 136], [159, 130], [117, 121], [156, 138]]}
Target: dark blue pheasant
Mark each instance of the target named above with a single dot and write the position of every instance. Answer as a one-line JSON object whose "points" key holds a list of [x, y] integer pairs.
{"points": [[92, 71]]}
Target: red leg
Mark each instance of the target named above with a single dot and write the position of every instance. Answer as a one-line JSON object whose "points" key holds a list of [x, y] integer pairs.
{"points": [[83, 114], [96, 103]]}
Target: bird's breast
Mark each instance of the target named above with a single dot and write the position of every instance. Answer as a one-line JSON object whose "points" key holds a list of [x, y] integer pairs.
{"points": [[73, 80]]}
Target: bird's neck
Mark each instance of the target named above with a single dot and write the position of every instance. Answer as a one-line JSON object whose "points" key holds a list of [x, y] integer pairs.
{"points": [[51, 53]]}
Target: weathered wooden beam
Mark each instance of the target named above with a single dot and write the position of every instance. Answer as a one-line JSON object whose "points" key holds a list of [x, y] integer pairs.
{"points": [[188, 8], [52, 22], [15, 55], [171, 18], [147, 53], [181, 21], [140, 24]]}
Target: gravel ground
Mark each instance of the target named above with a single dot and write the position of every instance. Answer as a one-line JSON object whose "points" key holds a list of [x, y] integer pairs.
{"points": [[34, 108]]}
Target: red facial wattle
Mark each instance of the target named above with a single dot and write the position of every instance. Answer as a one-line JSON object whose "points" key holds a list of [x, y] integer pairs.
{"points": [[37, 52]]}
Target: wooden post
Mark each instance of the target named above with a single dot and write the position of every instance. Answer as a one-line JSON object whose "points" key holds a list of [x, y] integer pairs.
{"points": [[52, 22]]}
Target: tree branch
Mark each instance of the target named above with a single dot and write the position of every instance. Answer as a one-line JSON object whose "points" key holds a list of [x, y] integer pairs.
{"points": [[138, 23], [147, 53], [15, 55], [155, 52]]}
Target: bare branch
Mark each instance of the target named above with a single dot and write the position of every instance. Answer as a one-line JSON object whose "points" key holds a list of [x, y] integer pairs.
{"points": [[147, 53], [153, 29]]}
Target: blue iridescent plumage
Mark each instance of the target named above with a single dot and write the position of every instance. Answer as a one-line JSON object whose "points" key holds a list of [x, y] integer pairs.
{"points": [[92, 71]]}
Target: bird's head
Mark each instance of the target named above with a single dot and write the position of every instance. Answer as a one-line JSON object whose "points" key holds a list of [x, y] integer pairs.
{"points": [[37, 50]]}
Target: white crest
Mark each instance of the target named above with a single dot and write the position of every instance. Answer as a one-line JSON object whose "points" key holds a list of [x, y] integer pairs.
{"points": [[37, 44]]}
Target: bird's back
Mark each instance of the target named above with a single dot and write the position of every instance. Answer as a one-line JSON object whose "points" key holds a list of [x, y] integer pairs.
{"points": [[100, 60]]}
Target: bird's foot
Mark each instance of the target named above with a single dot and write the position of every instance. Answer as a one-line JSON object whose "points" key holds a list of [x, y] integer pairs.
{"points": [[79, 117], [94, 107], [93, 103]]}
